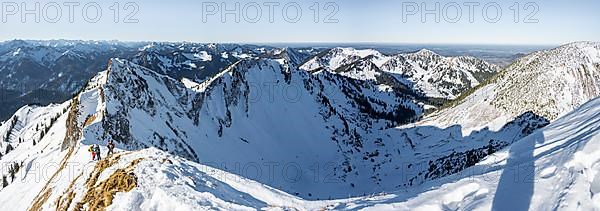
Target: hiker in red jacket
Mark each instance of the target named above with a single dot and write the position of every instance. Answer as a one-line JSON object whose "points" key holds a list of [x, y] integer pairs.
{"points": [[93, 151]]}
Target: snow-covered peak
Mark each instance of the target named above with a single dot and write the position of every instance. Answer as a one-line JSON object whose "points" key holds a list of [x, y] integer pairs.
{"points": [[426, 52], [355, 52], [338, 57], [437, 76], [363, 69]]}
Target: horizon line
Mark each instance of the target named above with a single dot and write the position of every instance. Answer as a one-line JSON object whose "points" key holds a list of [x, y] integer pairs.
{"points": [[298, 42]]}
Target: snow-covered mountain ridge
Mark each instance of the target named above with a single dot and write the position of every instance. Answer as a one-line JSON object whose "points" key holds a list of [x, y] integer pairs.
{"points": [[425, 72]]}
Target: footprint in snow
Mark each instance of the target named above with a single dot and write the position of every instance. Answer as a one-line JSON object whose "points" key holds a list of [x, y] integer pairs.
{"points": [[457, 198], [548, 172]]}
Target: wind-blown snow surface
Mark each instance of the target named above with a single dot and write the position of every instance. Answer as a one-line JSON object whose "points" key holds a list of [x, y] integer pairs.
{"points": [[553, 168]]}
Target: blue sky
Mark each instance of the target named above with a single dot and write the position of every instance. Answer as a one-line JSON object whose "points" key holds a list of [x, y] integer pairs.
{"points": [[374, 21]]}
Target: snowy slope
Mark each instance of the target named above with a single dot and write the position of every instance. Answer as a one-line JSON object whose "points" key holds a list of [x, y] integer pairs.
{"points": [[23, 134], [553, 168], [548, 83]]}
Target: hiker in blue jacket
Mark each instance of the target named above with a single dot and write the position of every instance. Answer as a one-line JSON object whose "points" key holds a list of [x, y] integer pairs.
{"points": [[111, 147]]}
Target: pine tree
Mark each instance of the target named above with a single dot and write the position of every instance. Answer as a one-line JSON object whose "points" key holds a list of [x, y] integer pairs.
{"points": [[490, 148], [8, 148], [16, 167], [11, 172]]}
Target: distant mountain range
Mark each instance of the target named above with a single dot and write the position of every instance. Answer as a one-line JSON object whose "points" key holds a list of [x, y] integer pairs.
{"points": [[425, 73], [43, 72]]}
